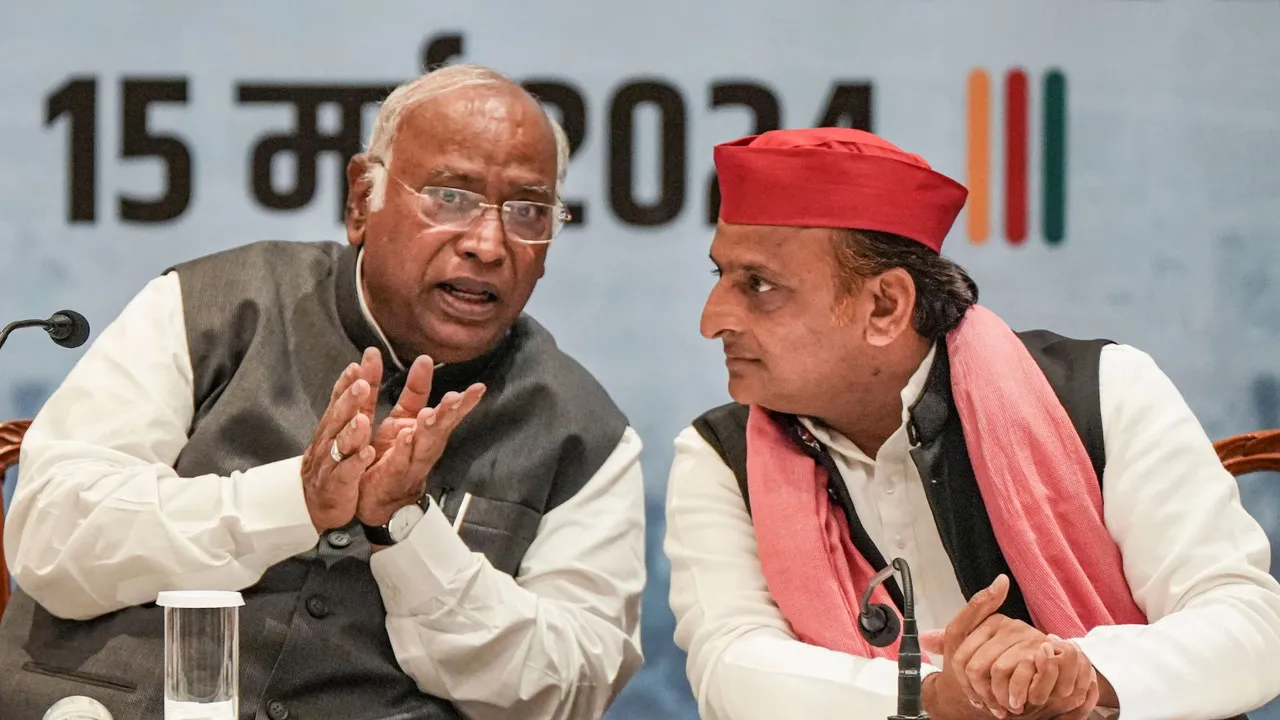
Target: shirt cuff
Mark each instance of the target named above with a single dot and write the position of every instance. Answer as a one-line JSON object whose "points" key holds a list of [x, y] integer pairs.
{"points": [[430, 565], [1105, 649], [273, 509]]}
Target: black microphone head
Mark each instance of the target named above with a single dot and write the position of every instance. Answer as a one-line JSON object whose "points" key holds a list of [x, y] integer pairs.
{"points": [[879, 625], [68, 328]]}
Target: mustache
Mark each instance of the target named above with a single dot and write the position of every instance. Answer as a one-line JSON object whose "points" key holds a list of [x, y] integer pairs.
{"points": [[738, 350]]}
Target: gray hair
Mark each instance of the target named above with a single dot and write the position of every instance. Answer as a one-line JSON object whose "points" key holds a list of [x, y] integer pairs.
{"points": [[424, 87]]}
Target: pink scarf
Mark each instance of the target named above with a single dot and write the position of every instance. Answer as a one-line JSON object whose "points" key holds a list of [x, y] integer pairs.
{"points": [[1036, 481]]}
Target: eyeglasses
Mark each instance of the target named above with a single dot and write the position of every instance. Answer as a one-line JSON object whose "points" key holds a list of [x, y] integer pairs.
{"points": [[525, 221]]}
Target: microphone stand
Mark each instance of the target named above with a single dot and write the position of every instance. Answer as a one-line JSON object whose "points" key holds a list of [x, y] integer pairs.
{"points": [[878, 625], [4, 334]]}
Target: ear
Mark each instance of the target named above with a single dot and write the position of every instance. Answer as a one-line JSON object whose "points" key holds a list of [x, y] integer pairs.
{"points": [[356, 212], [892, 295]]}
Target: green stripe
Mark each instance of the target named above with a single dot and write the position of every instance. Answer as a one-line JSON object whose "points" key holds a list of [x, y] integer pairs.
{"points": [[1054, 162]]}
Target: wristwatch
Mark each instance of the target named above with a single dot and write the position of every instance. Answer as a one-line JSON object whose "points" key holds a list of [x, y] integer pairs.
{"points": [[397, 528]]}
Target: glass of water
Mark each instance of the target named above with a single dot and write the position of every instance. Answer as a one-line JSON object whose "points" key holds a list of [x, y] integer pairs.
{"points": [[201, 654]]}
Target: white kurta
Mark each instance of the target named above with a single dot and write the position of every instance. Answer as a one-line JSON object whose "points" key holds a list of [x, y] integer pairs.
{"points": [[1195, 561], [100, 521]]}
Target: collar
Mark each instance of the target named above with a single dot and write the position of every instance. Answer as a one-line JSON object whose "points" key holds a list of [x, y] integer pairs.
{"points": [[912, 393], [916, 383], [928, 415], [368, 316]]}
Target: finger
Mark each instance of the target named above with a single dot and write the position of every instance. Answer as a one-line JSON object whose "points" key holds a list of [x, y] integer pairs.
{"points": [[417, 389], [1091, 700], [1085, 675], [425, 449], [429, 438], [341, 411], [1019, 659], [353, 436], [983, 603], [1086, 706], [384, 476], [1015, 682], [345, 476], [990, 663], [435, 425], [391, 427], [932, 642], [345, 378], [456, 409], [1076, 670], [371, 371], [962, 656], [1046, 676]]}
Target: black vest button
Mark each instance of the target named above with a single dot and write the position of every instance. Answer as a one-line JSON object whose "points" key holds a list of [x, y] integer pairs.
{"points": [[317, 607], [338, 539], [277, 711]]}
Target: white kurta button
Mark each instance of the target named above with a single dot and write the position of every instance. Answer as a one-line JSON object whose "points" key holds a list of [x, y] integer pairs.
{"points": [[889, 490], [897, 539]]}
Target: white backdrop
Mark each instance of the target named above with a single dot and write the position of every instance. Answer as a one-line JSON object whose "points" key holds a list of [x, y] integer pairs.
{"points": [[1171, 183]]}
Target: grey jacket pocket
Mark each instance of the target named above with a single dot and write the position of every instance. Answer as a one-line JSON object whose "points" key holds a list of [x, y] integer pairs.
{"points": [[106, 682], [499, 529]]}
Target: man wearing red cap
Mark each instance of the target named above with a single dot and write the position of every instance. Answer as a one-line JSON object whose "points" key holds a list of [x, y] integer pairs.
{"points": [[1076, 546]]}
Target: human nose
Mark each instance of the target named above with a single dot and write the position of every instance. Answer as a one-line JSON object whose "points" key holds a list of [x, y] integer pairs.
{"points": [[485, 240], [716, 314]]}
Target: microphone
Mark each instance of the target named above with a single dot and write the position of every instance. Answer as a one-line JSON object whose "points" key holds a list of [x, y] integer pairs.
{"points": [[77, 707], [68, 328], [879, 626]]}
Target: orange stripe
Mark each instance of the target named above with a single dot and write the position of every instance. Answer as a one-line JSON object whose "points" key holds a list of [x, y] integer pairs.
{"points": [[979, 203]]}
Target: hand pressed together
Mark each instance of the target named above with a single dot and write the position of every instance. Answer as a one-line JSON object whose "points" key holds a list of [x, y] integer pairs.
{"points": [[382, 469], [409, 442], [995, 666]]}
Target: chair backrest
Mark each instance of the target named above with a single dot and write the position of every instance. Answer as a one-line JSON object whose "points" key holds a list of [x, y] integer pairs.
{"points": [[11, 433], [1250, 452]]}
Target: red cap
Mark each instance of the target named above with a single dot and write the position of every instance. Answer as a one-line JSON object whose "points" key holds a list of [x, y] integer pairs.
{"points": [[837, 178]]}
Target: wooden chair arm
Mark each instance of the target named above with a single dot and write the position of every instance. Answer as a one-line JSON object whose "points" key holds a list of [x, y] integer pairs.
{"points": [[1250, 452]]}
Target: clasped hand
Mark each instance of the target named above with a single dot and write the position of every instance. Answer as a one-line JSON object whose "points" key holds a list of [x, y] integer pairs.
{"points": [[384, 469], [995, 666]]}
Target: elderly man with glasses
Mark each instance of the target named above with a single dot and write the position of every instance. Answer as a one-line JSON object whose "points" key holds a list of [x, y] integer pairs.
{"points": [[273, 419]]}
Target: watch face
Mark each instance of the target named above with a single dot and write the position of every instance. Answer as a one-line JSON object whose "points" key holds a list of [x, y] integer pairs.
{"points": [[403, 520]]}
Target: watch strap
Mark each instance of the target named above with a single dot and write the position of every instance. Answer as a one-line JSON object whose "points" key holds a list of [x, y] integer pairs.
{"points": [[377, 534], [381, 534]]}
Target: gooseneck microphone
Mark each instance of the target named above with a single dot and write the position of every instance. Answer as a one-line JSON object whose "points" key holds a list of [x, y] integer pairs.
{"points": [[879, 626], [68, 328]]}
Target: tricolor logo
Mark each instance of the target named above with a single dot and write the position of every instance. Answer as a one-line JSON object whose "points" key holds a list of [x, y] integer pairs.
{"points": [[1016, 139]]}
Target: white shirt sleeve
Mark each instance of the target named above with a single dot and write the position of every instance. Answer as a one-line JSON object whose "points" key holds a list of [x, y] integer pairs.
{"points": [[100, 520], [559, 640], [744, 661], [1195, 560]]}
